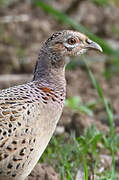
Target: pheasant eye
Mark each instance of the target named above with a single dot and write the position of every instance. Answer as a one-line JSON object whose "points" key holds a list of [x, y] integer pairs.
{"points": [[72, 41]]}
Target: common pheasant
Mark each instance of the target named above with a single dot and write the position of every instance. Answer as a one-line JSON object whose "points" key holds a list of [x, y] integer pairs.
{"points": [[29, 112]]}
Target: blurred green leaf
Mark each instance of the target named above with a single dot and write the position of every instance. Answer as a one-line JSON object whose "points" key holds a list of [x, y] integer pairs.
{"points": [[73, 102], [67, 20], [101, 2], [86, 110], [115, 30]]}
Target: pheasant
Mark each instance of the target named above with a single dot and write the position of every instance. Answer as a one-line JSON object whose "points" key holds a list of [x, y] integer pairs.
{"points": [[29, 113]]}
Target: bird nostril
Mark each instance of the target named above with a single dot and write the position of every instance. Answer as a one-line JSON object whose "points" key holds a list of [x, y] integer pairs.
{"points": [[88, 41]]}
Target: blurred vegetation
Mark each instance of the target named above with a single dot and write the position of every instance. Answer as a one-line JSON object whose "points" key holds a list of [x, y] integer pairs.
{"points": [[67, 20], [107, 49], [101, 2]]}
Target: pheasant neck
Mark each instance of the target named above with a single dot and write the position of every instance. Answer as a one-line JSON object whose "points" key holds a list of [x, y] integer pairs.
{"points": [[50, 69]]}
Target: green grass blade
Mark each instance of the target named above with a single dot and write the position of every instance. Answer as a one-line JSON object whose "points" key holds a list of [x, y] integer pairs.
{"points": [[101, 95], [85, 170], [113, 166], [110, 118]]}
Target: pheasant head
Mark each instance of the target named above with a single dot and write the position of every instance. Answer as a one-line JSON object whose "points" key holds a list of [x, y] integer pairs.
{"points": [[57, 47], [70, 43]]}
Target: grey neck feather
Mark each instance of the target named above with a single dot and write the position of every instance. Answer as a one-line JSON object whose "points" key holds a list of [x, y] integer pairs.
{"points": [[50, 68]]}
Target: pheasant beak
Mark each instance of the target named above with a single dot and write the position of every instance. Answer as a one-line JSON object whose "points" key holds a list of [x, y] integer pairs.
{"points": [[93, 45]]}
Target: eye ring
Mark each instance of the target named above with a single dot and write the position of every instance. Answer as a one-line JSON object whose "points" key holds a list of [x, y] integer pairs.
{"points": [[72, 41]]}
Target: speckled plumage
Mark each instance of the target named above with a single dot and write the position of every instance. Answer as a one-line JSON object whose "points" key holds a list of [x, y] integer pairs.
{"points": [[22, 112], [29, 113]]}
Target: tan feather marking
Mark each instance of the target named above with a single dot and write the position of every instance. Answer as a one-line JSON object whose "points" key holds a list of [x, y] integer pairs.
{"points": [[20, 109], [49, 93], [5, 112], [1, 156], [3, 106], [46, 90], [12, 118], [14, 112], [3, 142], [1, 116], [18, 115], [58, 47]]}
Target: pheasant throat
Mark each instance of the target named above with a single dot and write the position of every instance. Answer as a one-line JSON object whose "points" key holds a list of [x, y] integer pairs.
{"points": [[50, 66]]}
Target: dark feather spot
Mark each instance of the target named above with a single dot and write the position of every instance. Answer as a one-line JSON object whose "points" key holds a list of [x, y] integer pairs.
{"points": [[14, 142], [9, 148], [26, 130], [17, 159], [10, 166], [6, 155], [24, 107], [23, 165], [14, 129], [45, 98], [23, 142], [45, 102], [19, 124], [22, 152], [53, 99], [28, 112], [4, 133], [10, 125], [10, 131], [17, 166]]}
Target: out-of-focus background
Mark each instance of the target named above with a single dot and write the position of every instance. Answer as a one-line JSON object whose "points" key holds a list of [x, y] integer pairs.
{"points": [[86, 141]]}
